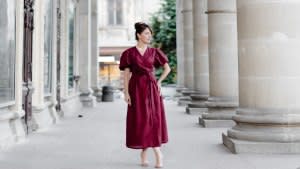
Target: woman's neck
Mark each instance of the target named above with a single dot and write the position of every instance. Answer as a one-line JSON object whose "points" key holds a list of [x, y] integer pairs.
{"points": [[141, 45]]}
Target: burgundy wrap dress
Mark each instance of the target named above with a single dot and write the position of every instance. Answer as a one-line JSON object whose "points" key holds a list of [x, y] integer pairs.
{"points": [[146, 122]]}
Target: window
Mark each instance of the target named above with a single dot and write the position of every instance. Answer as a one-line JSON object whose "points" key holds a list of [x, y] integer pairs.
{"points": [[71, 15], [115, 12], [7, 50], [48, 29]]}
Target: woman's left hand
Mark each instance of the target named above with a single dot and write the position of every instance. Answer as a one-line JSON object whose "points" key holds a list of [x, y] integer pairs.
{"points": [[159, 88]]}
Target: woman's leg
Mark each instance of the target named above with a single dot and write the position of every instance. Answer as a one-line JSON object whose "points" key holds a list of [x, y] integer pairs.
{"points": [[158, 157], [144, 161]]}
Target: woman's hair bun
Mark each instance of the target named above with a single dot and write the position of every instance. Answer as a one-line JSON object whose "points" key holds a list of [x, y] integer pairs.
{"points": [[138, 25]]}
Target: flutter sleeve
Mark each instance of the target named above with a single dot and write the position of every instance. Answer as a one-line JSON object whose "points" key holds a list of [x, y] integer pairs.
{"points": [[125, 60], [160, 58]]}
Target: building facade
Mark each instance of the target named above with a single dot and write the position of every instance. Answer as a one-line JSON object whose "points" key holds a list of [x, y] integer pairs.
{"points": [[47, 66]]}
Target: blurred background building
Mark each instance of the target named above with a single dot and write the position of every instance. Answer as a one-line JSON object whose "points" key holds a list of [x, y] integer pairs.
{"points": [[116, 33]]}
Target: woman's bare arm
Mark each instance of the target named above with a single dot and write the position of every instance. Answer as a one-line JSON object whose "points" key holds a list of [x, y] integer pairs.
{"points": [[127, 75], [165, 73]]}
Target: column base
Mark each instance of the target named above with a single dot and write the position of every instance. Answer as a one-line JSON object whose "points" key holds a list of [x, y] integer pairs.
{"points": [[186, 96], [60, 113], [97, 92], [87, 100], [46, 115], [209, 123], [192, 110], [11, 128], [219, 114], [199, 97], [190, 92], [178, 92], [184, 100], [241, 146], [196, 107], [32, 125], [71, 106], [197, 104], [200, 104], [180, 89]]}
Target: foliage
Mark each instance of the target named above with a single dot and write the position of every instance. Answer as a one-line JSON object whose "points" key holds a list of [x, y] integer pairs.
{"points": [[163, 24]]}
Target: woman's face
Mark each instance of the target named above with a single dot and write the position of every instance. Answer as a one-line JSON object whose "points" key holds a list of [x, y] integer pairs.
{"points": [[145, 36]]}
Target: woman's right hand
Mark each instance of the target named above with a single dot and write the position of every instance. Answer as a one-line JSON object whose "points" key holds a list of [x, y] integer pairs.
{"points": [[128, 99]]}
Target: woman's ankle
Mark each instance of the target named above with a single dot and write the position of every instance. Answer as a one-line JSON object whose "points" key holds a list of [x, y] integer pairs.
{"points": [[143, 156]]}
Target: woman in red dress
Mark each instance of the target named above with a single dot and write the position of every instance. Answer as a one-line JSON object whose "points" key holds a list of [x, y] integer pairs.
{"points": [[146, 123]]}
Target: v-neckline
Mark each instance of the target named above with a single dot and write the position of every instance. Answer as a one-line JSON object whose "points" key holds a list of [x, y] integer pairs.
{"points": [[142, 55]]}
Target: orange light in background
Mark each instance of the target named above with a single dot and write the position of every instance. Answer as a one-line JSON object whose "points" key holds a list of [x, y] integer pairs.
{"points": [[109, 71]]}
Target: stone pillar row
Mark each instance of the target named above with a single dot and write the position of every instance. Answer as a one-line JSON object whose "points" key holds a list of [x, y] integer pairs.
{"points": [[268, 118], [215, 63], [262, 80]]}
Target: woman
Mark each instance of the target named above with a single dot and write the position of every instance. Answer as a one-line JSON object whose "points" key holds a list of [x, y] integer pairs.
{"points": [[146, 123]]}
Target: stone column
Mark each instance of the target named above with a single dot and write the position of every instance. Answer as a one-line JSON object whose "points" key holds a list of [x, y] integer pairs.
{"points": [[38, 58], [38, 95], [85, 66], [77, 49], [55, 114], [201, 81], [16, 124], [268, 120], [179, 47], [63, 51], [94, 52], [223, 64], [187, 17], [201, 71]]}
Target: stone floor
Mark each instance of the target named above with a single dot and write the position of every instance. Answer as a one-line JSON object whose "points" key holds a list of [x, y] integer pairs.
{"points": [[96, 141]]}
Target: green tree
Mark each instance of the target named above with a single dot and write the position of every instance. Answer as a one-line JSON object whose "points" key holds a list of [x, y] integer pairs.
{"points": [[163, 24]]}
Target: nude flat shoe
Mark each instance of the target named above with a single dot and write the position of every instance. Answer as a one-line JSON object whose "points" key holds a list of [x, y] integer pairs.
{"points": [[158, 166], [145, 164]]}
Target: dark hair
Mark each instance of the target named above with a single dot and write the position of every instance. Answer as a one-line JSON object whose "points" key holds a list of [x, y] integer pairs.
{"points": [[140, 27]]}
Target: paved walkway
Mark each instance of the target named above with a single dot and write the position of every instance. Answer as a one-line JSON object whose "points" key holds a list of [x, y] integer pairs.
{"points": [[96, 141]]}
